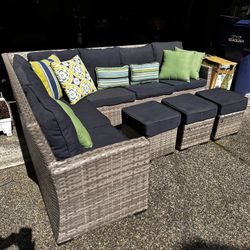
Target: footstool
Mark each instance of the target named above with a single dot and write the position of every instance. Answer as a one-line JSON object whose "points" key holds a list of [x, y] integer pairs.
{"points": [[156, 122], [197, 119], [231, 107]]}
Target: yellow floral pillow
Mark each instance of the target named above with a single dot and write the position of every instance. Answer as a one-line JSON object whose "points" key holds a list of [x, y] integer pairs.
{"points": [[74, 78]]}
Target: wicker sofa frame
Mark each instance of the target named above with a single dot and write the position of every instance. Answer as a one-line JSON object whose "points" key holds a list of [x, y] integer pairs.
{"points": [[87, 190], [93, 188]]}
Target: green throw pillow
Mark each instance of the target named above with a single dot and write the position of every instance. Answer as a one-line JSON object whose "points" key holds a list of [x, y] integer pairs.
{"points": [[196, 62], [176, 65], [82, 133]]}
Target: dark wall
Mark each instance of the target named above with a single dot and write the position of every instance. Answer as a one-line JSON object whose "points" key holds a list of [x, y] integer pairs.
{"points": [[48, 24], [40, 24]]}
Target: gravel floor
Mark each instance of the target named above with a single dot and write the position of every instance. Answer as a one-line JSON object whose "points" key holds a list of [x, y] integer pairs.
{"points": [[199, 199]]}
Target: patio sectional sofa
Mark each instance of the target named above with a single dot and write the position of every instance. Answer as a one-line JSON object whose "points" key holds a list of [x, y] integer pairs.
{"points": [[85, 188]]}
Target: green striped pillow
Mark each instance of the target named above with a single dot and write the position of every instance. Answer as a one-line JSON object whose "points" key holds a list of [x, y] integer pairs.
{"points": [[143, 73], [108, 77]]}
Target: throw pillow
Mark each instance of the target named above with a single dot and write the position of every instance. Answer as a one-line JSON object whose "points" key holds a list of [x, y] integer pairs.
{"points": [[108, 77], [74, 78], [82, 133], [143, 73], [176, 65], [196, 62], [47, 76]]}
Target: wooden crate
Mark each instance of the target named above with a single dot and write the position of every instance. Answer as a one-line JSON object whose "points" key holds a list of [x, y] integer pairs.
{"points": [[222, 71]]}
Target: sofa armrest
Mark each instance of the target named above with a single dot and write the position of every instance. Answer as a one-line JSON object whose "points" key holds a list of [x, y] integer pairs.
{"points": [[99, 186], [205, 73]]}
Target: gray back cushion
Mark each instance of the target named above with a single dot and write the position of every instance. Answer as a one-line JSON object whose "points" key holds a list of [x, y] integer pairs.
{"points": [[137, 55], [92, 58], [158, 48]]}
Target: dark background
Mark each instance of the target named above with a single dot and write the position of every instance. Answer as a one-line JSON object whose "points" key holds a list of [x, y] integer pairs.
{"points": [[54, 24]]}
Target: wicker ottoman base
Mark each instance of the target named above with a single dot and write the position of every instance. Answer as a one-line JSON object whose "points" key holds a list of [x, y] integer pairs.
{"points": [[227, 124], [194, 133], [160, 145]]}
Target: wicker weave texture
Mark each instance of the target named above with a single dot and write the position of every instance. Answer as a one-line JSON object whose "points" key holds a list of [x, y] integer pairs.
{"points": [[105, 186], [194, 133], [227, 124], [160, 145], [163, 143]]}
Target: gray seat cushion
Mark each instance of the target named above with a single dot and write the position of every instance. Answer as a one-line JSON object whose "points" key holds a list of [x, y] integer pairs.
{"points": [[158, 48], [105, 135], [227, 101], [92, 58], [151, 118], [192, 108], [150, 90], [88, 114], [112, 96], [181, 85], [62, 55], [137, 55]]}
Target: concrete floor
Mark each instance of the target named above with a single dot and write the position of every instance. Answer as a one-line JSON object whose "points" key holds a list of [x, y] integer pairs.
{"points": [[199, 199]]}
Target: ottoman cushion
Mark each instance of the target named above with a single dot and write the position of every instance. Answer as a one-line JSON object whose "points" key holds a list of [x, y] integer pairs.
{"points": [[227, 101], [150, 118], [193, 108]]}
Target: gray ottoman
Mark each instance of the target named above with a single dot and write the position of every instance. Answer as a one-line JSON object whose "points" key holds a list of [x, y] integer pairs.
{"points": [[231, 107], [197, 119], [156, 122]]}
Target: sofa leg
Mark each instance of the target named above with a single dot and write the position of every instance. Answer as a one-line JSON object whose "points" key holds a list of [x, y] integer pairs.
{"points": [[140, 212]]}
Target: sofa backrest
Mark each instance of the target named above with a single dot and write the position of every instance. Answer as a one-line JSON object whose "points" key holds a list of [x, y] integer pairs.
{"points": [[158, 48], [54, 122], [99, 57], [136, 54], [110, 56], [124, 55], [63, 55]]}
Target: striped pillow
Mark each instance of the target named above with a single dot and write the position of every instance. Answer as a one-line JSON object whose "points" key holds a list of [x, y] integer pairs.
{"points": [[47, 76], [143, 73], [108, 77]]}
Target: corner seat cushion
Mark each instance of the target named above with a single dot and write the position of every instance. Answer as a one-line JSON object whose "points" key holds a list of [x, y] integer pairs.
{"points": [[158, 48], [192, 108], [151, 118], [112, 96], [106, 57], [63, 55], [137, 55], [105, 135], [147, 90], [54, 122], [88, 114], [227, 101], [181, 85]]}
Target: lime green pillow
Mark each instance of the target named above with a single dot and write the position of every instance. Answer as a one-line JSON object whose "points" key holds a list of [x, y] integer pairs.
{"points": [[82, 133], [196, 62], [176, 65]]}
